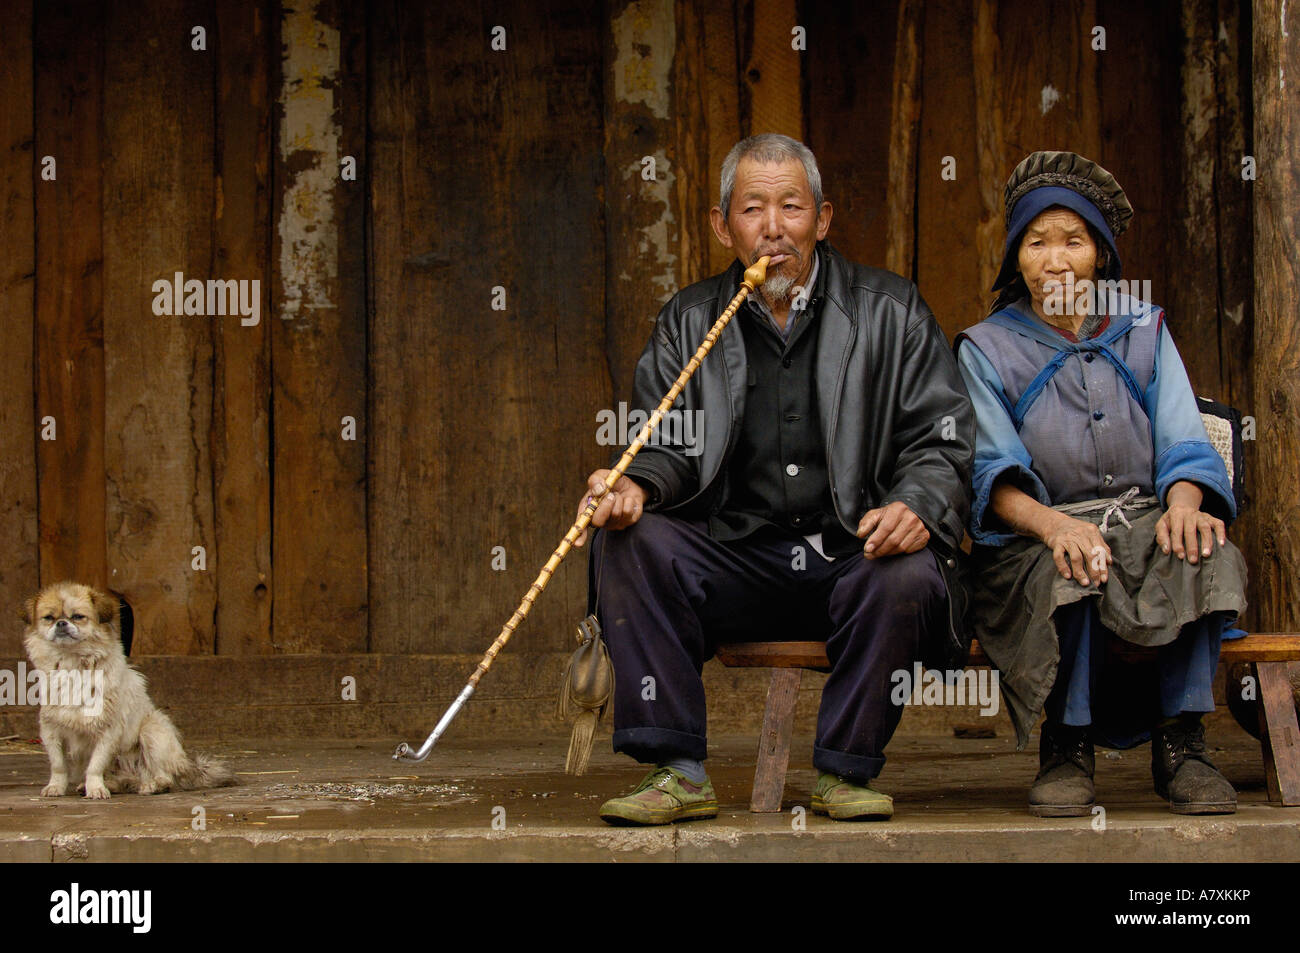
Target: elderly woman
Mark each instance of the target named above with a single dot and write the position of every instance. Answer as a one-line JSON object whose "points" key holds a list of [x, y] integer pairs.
{"points": [[1100, 504]]}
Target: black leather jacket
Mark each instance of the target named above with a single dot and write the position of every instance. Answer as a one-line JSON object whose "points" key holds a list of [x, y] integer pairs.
{"points": [[896, 419]]}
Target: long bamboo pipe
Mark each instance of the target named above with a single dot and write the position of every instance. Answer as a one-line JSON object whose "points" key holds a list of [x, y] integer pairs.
{"points": [[754, 276]]}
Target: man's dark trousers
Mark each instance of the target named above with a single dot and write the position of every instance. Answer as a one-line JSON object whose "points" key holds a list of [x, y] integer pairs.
{"points": [[667, 593]]}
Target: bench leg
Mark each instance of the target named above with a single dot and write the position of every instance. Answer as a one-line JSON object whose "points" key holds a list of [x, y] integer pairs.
{"points": [[774, 742], [1279, 732]]}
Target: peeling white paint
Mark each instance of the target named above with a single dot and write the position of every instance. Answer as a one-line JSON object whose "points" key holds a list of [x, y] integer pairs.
{"points": [[1050, 98], [655, 243], [309, 137], [645, 38], [1281, 53]]}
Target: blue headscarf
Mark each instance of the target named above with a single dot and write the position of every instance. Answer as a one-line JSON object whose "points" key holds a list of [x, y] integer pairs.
{"points": [[1034, 203]]}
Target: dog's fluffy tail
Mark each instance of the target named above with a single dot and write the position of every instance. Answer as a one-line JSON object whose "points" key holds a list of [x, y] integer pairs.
{"points": [[206, 772]]}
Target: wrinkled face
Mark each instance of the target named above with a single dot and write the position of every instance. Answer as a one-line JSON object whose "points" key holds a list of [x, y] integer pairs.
{"points": [[1056, 244], [66, 614], [773, 213]]}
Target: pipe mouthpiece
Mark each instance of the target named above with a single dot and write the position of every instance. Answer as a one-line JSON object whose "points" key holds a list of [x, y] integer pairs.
{"points": [[756, 273]]}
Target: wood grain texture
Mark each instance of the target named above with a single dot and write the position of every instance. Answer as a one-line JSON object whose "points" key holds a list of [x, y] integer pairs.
{"points": [[1193, 294], [1276, 562], [1036, 76], [318, 334], [848, 68], [241, 453], [771, 92], [774, 741], [1260, 647], [905, 115], [1280, 733], [948, 210], [158, 204], [1139, 130], [69, 291], [20, 569], [483, 424], [707, 124], [644, 226]]}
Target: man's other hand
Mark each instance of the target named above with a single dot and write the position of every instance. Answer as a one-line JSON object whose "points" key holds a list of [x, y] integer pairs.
{"points": [[621, 508], [890, 530]]}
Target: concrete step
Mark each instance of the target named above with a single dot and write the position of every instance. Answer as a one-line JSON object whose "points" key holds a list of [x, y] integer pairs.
{"points": [[508, 800]]}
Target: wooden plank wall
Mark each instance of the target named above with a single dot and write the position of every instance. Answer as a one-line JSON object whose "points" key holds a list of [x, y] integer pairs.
{"points": [[318, 333], [69, 389], [483, 286], [19, 570], [486, 181]]}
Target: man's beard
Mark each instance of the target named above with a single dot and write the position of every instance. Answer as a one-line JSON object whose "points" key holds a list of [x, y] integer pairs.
{"points": [[779, 286]]}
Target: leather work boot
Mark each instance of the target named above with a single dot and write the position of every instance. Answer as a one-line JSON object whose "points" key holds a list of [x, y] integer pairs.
{"points": [[1066, 763], [844, 800], [1182, 774], [663, 796]]}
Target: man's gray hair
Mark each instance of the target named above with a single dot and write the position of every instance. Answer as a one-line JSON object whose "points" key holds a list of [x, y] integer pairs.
{"points": [[765, 148]]}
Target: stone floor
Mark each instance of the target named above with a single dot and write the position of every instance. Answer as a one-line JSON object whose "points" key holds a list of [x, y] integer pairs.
{"points": [[344, 800]]}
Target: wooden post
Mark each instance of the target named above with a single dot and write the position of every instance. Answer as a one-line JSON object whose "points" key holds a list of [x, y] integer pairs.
{"points": [[1277, 368], [19, 571], [1277, 315]]}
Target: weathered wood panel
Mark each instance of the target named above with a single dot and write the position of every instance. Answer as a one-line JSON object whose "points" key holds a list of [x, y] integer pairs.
{"points": [[1036, 88], [69, 291], [1193, 297], [707, 122], [318, 335], [771, 69], [1276, 562], [643, 177], [848, 73], [20, 569], [948, 205], [158, 206], [905, 115], [483, 177], [1139, 131], [241, 454]]}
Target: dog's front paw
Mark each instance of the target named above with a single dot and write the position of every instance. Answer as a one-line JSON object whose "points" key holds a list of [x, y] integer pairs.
{"points": [[55, 789], [95, 790]]}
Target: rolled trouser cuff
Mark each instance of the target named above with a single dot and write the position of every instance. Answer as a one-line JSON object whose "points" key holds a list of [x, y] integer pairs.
{"points": [[859, 768], [656, 745]]}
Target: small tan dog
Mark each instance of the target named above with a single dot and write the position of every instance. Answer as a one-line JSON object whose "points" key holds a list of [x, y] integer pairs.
{"points": [[107, 729]]}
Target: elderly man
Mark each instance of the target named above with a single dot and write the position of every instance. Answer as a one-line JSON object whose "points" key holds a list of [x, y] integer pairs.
{"points": [[832, 413]]}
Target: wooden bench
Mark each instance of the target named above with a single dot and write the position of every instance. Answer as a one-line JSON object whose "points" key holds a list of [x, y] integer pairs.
{"points": [[1271, 654]]}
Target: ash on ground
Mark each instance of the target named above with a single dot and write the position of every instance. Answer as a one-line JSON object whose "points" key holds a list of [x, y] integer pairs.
{"points": [[369, 791]]}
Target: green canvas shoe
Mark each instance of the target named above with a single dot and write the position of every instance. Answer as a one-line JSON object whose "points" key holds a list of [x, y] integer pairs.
{"points": [[845, 801], [663, 796]]}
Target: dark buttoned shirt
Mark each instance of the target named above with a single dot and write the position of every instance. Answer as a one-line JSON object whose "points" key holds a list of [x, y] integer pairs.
{"points": [[777, 474]]}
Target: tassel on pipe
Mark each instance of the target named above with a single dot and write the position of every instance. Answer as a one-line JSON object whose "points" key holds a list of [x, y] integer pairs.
{"points": [[755, 275], [584, 733]]}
